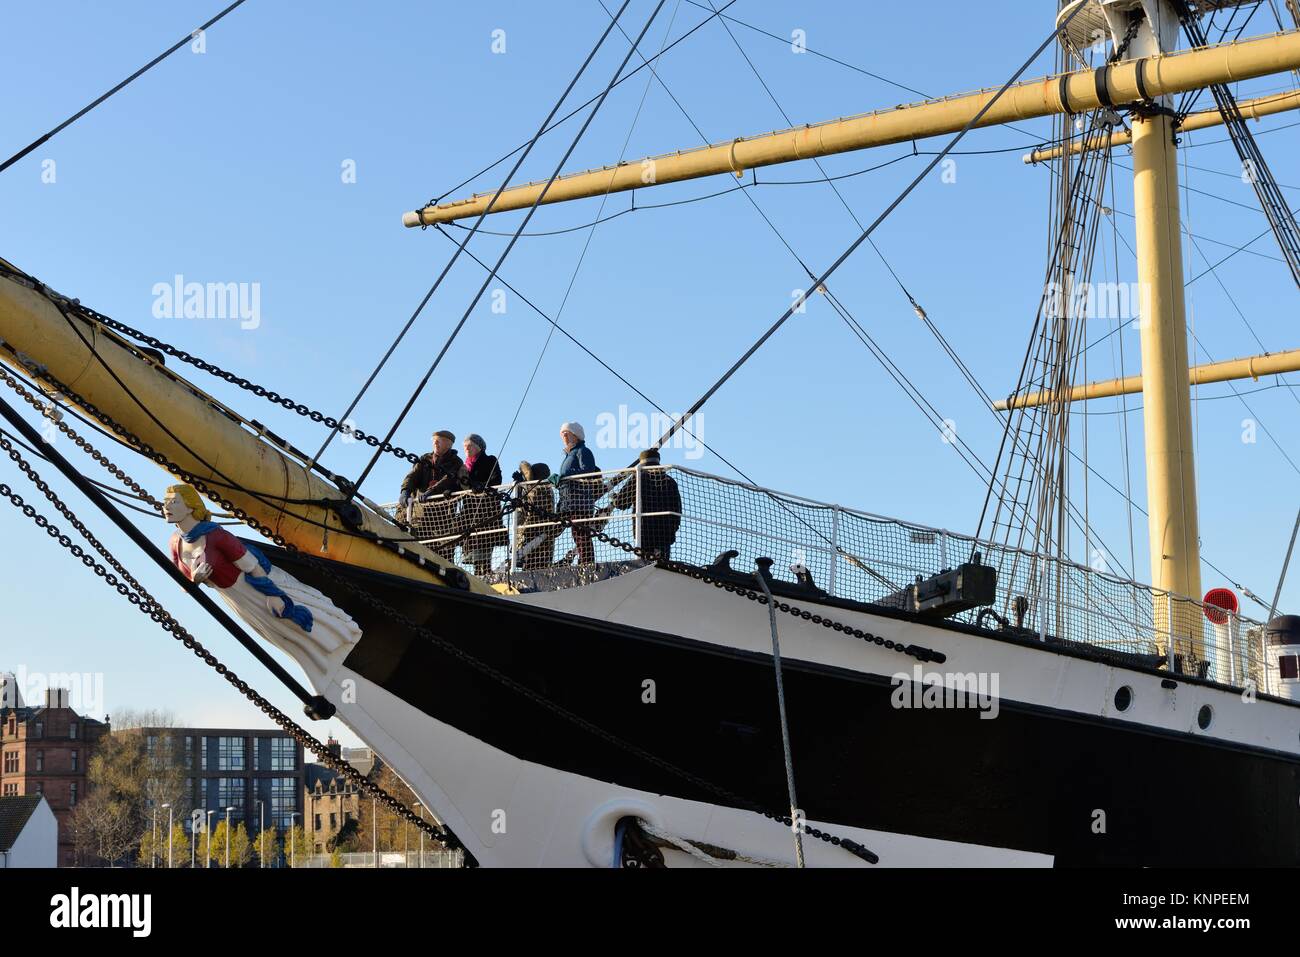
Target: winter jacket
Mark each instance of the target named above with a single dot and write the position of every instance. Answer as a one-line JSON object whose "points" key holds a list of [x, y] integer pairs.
{"points": [[539, 502], [446, 474], [578, 495], [659, 493], [482, 511]]}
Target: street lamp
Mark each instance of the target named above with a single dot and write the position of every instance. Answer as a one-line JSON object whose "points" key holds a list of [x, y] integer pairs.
{"points": [[374, 829], [261, 833], [208, 862], [293, 842], [169, 835], [228, 810], [153, 850]]}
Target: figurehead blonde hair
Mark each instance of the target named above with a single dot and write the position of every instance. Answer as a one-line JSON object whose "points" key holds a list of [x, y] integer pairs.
{"points": [[190, 496]]}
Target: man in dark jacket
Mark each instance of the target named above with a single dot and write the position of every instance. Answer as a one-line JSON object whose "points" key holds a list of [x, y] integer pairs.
{"points": [[661, 504], [436, 474], [577, 494]]}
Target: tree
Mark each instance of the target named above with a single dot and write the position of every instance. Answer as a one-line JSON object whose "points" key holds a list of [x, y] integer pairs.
{"points": [[297, 847], [104, 828], [123, 777], [269, 840], [393, 830], [180, 847], [336, 858], [346, 837], [241, 848]]}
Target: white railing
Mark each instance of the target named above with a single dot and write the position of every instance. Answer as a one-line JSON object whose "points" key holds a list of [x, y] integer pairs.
{"points": [[432, 857], [850, 553]]}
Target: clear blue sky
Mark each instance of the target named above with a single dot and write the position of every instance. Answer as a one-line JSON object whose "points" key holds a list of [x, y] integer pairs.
{"points": [[226, 166]]}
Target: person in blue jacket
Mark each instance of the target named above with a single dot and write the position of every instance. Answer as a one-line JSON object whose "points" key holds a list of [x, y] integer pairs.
{"points": [[577, 496]]}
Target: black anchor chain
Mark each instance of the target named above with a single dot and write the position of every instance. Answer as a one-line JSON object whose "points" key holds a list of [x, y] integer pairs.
{"points": [[130, 588], [144, 448]]}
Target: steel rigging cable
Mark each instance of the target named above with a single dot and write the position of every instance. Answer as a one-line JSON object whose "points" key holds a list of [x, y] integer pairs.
{"points": [[410, 403], [342, 419], [894, 372], [866, 234], [586, 246], [98, 100], [577, 109]]}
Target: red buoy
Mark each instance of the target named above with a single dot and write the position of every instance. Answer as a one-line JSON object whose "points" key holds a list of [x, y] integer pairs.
{"points": [[1219, 603]]}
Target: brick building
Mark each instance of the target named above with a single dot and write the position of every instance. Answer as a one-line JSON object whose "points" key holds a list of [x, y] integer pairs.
{"points": [[45, 750], [330, 799]]}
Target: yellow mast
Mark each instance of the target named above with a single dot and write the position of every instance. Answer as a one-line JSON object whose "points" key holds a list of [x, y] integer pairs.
{"points": [[1250, 109], [1228, 370], [1127, 82], [1172, 523]]}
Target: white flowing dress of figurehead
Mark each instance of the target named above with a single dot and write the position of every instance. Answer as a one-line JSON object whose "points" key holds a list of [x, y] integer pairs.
{"points": [[332, 628]]}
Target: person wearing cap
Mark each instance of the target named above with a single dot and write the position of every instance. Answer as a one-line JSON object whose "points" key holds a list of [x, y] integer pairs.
{"points": [[436, 473], [577, 495], [661, 504], [481, 510], [537, 535]]}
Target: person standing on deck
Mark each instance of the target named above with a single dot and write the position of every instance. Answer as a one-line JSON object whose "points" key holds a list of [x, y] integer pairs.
{"points": [[577, 495], [537, 534], [480, 511], [439, 472], [661, 504]]}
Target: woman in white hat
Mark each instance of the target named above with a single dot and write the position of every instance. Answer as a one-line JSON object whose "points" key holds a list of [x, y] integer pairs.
{"points": [[577, 497]]}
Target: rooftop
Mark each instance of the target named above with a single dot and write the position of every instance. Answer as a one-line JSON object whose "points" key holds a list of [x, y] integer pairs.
{"points": [[14, 815]]}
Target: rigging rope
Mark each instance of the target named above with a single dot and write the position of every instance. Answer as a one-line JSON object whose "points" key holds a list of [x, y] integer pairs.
{"points": [[761, 576], [39, 141], [410, 403], [135, 593], [865, 235], [916, 651], [694, 849], [582, 255], [576, 110], [908, 388], [470, 235]]}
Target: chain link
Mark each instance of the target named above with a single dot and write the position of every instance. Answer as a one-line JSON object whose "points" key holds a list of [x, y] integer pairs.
{"points": [[921, 653], [1129, 36], [241, 382], [447, 647], [52, 413], [130, 588], [511, 503]]}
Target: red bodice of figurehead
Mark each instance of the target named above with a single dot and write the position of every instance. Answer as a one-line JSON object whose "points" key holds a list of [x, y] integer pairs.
{"points": [[220, 550]]}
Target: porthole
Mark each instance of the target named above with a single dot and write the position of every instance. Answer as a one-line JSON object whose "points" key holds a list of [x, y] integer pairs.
{"points": [[1123, 698], [1204, 717]]}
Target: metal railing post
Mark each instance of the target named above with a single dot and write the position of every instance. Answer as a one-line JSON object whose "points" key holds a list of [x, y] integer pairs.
{"points": [[1232, 649], [1042, 603], [514, 531], [835, 548], [636, 509]]}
